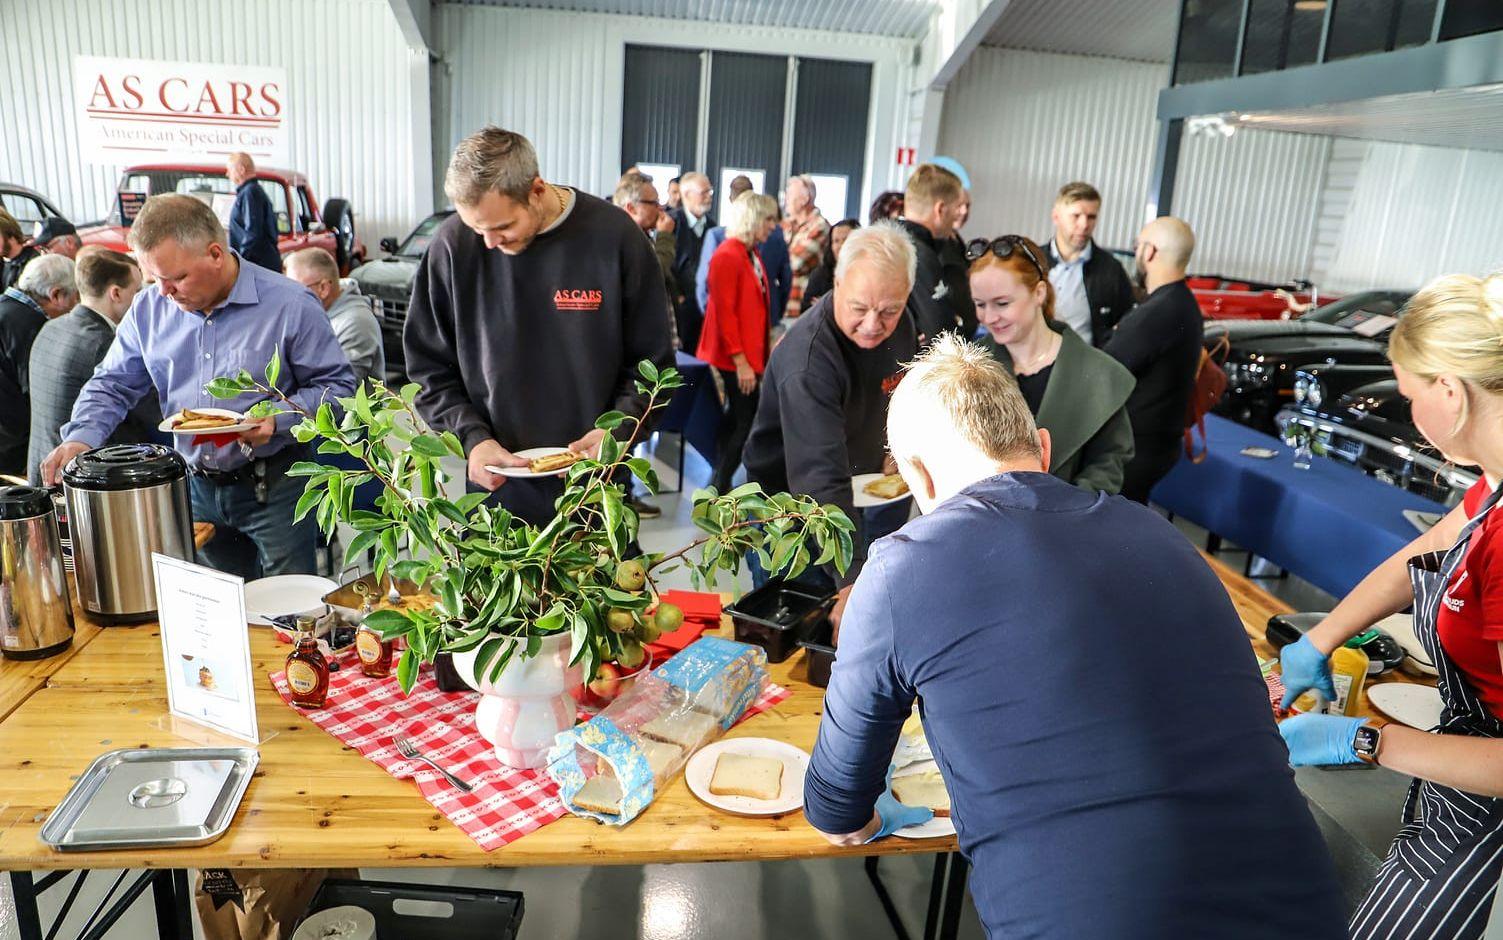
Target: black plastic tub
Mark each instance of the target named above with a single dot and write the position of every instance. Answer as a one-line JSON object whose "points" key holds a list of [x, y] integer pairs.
{"points": [[422, 912], [821, 653], [777, 615]]}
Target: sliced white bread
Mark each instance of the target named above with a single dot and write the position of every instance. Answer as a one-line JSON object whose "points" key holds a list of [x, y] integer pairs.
{"points": [[687, 729], [926, 788], [659, 756], [760, 778], [600, 794]]}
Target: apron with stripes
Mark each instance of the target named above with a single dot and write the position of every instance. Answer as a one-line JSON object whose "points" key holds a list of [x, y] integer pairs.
{"points": [[1440, 875]]}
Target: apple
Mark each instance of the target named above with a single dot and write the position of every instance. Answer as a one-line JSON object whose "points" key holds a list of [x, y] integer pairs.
{"points": [[607, 682]]}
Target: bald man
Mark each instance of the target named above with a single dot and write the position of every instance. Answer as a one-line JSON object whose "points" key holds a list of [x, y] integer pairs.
{"points": [[253, 222], [1159, 342]]}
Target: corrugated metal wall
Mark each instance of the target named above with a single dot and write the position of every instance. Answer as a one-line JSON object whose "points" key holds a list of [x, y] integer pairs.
{"points": [[348, 97], [1024, 123], [1413, 213], [1252, 200], [556, 77]]}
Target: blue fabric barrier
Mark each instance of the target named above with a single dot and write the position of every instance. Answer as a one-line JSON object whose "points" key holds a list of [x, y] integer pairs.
{"points": [[694, 410], [1331, 524]]}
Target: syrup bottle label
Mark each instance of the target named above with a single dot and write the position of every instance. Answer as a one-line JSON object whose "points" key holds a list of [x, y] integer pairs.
{"points": [[368, 646], [301, 677]]}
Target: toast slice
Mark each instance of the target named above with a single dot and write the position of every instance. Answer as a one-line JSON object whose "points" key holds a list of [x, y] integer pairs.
{"points": [[199, 421], [600, 794], [890, 486], [687, 729], [659, 757], [553, 462], [760, 778], [923, 789]]}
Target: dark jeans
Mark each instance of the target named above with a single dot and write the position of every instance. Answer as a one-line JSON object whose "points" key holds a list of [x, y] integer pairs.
{"points": [[735, 425], [253, 540], [1152, 459], [874, 523]]}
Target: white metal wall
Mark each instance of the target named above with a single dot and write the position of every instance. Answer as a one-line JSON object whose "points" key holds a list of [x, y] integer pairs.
{"points": [[347, 100], [1412, 213], [556, 77], [1252, 200], [1024, 123]]}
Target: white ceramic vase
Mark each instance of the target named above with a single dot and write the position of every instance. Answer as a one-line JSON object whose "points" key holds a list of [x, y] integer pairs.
{"points": [[523, 708]]}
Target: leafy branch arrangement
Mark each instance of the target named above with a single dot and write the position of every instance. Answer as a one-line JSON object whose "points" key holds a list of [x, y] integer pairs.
{"points": [[501, 584]]}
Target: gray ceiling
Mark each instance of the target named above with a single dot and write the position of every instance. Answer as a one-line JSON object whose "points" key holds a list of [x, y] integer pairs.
{"points": [[898, 18], [1463, 117], [1123, 29]]}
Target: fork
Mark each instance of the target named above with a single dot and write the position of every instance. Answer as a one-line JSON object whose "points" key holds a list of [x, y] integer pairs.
{"points": [[407, 749]]}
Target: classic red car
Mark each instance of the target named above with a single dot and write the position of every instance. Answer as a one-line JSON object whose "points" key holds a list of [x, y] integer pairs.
{"points": [[300, 224], [1221, 299]]}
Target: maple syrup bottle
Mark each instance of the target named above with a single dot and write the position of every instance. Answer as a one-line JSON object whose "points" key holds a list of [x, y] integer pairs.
{"points": [[374, 652], [308, 673]]}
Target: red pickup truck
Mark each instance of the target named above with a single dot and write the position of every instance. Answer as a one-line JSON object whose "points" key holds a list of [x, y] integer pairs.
{"points": [[300, 224]]}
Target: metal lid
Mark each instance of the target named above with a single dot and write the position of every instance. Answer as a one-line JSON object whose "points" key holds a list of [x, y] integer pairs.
{"points": [[23, 502], [124, 467]]}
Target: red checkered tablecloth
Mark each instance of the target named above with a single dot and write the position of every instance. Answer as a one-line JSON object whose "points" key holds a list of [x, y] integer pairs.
{"points": [[366, 714]]}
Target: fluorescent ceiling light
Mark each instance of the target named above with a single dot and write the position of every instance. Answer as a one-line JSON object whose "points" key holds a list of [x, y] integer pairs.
{"points": [[1310, 6]]}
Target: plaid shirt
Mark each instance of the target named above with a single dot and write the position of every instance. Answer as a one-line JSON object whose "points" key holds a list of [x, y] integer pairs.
{"points": [[806, 248]]}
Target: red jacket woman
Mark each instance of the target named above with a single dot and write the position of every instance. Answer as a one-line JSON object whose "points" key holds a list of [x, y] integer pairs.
{"points": [[734, 337]]}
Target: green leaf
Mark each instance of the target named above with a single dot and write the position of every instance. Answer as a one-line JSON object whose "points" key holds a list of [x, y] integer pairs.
{"points": [[452, 441], [470, 501], [745, 489], [358, 546], [452, 603], [450, 511], [648, 370], [383, 620], [224, 388], [324, 421], [610, 421], [409, 392], [274, 369], [614, 507], [264, 409], [306, 502], [429, 446], [407, 671]]}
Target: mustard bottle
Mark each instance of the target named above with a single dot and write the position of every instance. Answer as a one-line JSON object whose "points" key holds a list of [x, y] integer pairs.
{"points": [[1349, 676]]}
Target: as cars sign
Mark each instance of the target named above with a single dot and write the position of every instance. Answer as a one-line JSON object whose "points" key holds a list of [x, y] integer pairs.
{"points": [[139, 110]]}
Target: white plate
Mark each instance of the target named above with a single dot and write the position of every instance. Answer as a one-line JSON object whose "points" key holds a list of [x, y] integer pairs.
{"points": [[1417, 706], [791, 797], [933, 829], [865, 500], [1401, 628], [531, 453], [241, 424], [294, 594]]}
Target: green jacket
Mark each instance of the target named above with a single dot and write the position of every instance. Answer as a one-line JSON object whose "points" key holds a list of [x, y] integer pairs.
{"points": [[1085, 411]]}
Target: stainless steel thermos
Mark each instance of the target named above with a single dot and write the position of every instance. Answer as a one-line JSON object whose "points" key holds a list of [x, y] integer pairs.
{"points": [[36, 617]]}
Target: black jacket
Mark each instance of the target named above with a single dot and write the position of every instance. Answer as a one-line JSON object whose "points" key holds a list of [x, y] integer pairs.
{"points": [[19, 325], [253, 227], [822, 414], [1160, 344], [941, 296], [1108, 290], [686, 255], [13, 267]]}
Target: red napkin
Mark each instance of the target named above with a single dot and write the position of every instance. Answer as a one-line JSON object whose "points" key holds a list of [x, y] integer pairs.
{"points": [[701, 613], [217, 440]]}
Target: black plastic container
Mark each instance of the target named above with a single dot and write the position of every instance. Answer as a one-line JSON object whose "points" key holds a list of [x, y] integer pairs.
{"points": [[446, 676], [777, 615], [423, 912], [821, 653]]}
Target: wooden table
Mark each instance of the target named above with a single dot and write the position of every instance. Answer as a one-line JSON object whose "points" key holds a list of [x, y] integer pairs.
{"points": [[20, 678]]}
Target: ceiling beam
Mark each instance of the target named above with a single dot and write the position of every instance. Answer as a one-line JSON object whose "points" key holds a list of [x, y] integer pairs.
{"points": [[964, 41], [415, 19]]}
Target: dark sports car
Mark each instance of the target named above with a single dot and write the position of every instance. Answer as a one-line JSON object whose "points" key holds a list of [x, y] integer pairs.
{"points": [[389, 281]]}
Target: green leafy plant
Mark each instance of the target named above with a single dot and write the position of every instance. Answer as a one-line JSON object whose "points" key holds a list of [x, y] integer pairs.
{"points": [[503, 585]]}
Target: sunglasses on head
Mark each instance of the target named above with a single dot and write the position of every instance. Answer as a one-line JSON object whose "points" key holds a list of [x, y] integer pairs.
{"points": [[1003, 247]]}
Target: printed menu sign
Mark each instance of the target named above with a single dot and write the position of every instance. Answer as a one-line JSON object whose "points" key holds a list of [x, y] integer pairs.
{"points": [[206, 646]]}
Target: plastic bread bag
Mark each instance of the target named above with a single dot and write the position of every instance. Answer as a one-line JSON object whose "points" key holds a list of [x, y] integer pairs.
{"points": [[611, 767]]}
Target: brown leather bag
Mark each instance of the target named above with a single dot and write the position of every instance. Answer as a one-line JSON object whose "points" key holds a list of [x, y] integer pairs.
{"points": [[1210, 385]]}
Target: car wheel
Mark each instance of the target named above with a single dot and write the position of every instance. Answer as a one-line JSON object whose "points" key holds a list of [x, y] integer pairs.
{"points": [[340, 220]]}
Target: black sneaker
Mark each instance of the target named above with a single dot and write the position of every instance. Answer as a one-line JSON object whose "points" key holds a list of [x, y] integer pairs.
{"points": [[642, 508]]}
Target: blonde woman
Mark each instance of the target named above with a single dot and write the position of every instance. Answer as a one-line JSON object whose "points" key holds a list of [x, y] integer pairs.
{"points": [[734, 338], [1442, 870]]}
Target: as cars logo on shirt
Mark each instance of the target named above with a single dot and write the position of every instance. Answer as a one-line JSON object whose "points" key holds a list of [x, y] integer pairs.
{"points": [[587, 300], [890, 384]]}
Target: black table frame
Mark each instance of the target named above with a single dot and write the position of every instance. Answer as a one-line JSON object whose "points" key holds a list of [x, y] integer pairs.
{"points": [[946, 897]]}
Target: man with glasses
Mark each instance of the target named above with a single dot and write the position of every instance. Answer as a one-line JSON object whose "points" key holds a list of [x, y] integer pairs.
{"points": [[1160, 343], [693, 221], [350, 313], [824, 395]]}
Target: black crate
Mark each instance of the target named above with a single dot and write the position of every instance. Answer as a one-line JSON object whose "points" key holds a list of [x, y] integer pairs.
{"points": [[427, 912], [821, 653], [777, 615]]}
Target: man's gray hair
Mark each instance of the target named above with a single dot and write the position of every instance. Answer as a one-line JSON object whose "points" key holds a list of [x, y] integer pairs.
{"points": [[491, 160], [314, 260], [180, 217], [47, 273], [808, 182], [883, 244], [631, 189], [956, 391]]}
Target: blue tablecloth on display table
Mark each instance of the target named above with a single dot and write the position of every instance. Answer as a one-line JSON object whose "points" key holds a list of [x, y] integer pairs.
{"points": [[1330, 524], [694, 410]]}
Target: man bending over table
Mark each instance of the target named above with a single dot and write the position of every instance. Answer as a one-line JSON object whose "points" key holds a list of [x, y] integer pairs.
{"points": [[1087, 689]]}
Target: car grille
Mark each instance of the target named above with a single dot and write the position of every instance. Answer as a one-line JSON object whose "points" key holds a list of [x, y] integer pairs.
{"points": [[1417, 475], [393, 311]]}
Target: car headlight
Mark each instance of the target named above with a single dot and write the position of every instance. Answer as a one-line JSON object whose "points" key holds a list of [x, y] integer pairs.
{"points": [[1314, 392], [1301, 389]]}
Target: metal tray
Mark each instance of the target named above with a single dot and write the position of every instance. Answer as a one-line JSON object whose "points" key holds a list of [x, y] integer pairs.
{"points": [[142, 797]]}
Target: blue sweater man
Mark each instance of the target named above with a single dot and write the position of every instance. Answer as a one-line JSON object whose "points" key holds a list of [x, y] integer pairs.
{"points": [[1086, 687]]}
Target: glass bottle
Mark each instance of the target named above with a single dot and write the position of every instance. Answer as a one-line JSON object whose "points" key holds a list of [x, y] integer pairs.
{"points": [[374, 652], [308, 673], [1303, 454]]}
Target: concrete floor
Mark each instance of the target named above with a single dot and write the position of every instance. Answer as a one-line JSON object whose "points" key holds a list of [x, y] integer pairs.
{"points": [[725, 901]]}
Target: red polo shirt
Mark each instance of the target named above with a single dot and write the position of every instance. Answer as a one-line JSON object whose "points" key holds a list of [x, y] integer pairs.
{"points": [[1471, 611]]}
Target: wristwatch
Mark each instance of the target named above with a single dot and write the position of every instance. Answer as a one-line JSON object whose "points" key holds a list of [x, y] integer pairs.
{"points": [[1367, 741]]}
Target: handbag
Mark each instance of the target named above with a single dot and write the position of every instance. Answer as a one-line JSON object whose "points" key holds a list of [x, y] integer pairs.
{"points": [[1210, 385]]}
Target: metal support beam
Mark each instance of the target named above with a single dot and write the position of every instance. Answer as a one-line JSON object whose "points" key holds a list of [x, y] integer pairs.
{"points": [[1325, 30], [415, 19], [1165, 168], [967, 44], [1242, 37]]}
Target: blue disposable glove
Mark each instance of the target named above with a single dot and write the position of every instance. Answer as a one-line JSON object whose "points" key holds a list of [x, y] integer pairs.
{"points": [[1316, 740], [1305, 668], [894, 815]]}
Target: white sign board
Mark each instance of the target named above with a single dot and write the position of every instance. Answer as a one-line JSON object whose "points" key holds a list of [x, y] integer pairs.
{"points": [[206, 646], [142, 111]]}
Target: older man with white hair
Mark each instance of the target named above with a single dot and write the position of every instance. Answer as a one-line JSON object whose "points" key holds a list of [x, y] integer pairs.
{"points": [[350, 312], [209, 313], [1102, 786], [253, 220], [824, 394], [45, 289]]}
